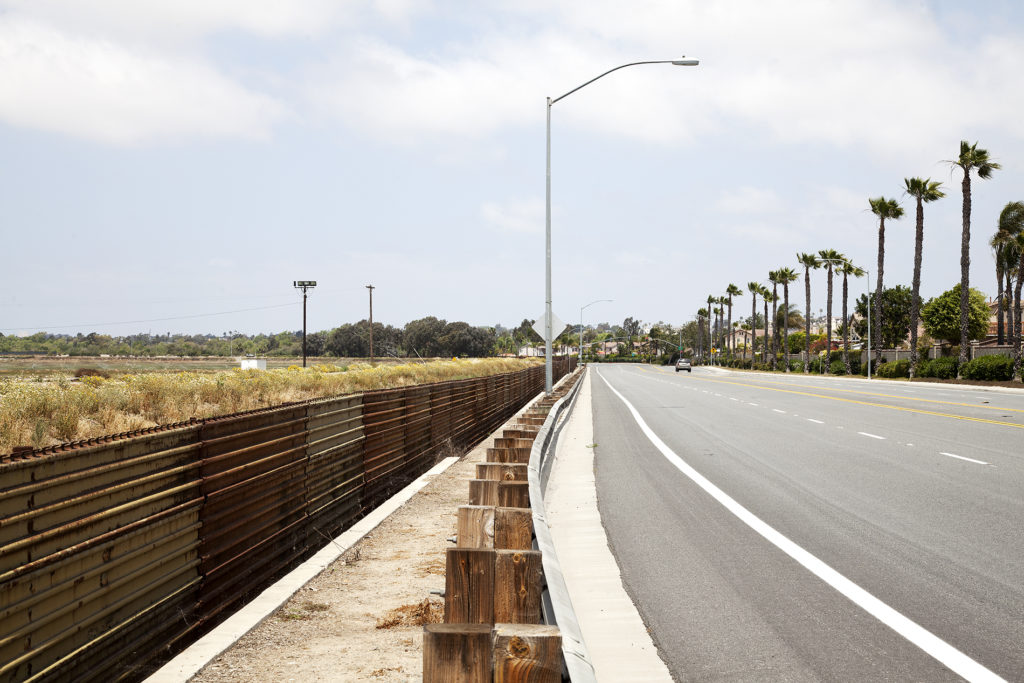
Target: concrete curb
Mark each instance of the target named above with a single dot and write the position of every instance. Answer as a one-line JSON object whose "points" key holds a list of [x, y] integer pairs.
{"points": [[188, 663]]}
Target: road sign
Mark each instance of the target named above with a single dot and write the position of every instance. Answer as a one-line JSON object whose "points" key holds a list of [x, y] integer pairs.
{"points": [[557, 326]]}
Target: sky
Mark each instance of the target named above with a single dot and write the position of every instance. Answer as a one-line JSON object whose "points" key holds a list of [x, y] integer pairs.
{"points": [[173, 166]]}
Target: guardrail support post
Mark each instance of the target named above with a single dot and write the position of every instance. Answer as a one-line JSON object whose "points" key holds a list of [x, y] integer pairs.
{"points": [[518, 578], [527, 652], [456, 653], [469, 586]]}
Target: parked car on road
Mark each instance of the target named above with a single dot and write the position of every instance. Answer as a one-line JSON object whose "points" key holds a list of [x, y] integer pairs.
{"points": [[683, 364]]}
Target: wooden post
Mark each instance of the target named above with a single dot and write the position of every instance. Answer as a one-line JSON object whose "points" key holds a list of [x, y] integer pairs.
{"points": [[469, 586], [511, 455], [483, 491], [513, 494], [502, 442], [501, 471], [457, 653], [513, 529], [527, 653], [476, 527], [517, 586]]}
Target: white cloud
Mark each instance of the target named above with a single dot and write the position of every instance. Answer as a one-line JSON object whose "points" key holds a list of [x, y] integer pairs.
{"points": [[521, 217], [99, 90]]}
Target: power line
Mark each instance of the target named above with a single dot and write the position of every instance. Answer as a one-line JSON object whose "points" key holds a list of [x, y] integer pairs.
{"points": [[43, 328]]}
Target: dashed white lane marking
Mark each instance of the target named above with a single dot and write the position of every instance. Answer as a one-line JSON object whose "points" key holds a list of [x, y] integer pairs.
{"points": [[960, 457], [733, 399], [873, 436], [819, 422], [754, 404], [942, 651], [779, 411]]}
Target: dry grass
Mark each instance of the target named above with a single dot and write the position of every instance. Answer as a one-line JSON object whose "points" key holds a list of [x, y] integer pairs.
{"points": [[38, 413], [417, 614]]}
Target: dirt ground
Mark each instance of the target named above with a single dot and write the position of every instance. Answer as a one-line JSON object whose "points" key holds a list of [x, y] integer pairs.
{"points": [[361, 619]]}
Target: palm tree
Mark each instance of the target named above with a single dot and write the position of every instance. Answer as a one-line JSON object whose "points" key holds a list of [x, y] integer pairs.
{"points": [[773, 277], [754, 288], [711, 334], [883, 208], [808, 261], [829, 257], [768, 298], [847, 269], [971, 158], [701, 313], [718, 324], [1005, 248], [722, 301], [1019, 240], [731, 291], [786, 275], [923, 191]]}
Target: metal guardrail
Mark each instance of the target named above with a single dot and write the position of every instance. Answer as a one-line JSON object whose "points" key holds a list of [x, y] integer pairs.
{"points": [[118, 551], [558, 608]]}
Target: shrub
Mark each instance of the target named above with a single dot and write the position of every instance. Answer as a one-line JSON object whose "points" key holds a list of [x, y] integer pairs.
{"points": [[796, 365], [837, 367], [992, 368], [923, 368], [899, 368], [943, 368]]}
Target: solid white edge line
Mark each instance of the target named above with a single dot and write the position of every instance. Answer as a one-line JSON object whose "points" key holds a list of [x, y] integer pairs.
{"points": [[960, 457], [873, 436], [942, 651]]}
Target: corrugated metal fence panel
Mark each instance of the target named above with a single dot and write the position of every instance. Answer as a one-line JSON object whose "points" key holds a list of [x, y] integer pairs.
{"points": [[253, 483], [112, 553], [334, 467], [94, 539]]}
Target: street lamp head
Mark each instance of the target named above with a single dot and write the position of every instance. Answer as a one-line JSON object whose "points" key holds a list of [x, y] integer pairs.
{"points": [[685, 62]]}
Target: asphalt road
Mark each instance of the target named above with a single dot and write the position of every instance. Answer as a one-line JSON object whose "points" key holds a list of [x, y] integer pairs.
{"points": [[797, 528]]}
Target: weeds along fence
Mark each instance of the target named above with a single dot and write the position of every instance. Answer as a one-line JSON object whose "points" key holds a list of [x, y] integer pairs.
{"points": [[117, 552]]}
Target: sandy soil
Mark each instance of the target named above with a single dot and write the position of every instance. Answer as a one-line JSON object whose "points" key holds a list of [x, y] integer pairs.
{"points": [[361, 619]]}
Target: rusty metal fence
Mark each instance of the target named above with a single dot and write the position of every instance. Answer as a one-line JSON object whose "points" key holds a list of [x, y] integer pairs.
{"points": [[117, 552]]}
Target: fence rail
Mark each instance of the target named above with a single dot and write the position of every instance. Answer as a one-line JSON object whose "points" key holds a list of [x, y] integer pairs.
{"points": [[118, 551]]}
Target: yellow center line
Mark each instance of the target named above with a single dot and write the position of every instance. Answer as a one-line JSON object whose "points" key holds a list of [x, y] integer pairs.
{"points": [[903, 398], [865, 403]]}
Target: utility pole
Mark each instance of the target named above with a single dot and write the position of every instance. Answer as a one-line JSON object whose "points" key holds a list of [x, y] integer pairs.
{"points": [[304, 285], [371, 288]]}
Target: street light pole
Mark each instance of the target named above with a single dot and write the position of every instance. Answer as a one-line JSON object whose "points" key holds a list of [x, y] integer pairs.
{"points": [[581, 322], [548, 341], [868, 287]]}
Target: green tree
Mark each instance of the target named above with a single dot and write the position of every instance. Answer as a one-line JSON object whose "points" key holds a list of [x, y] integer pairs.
{"points": [[883, 208], [941, 315], [894, 325], [923, 191], [774, 278], [828, 260], [808, 261], [768, 298], [1006, 253], [971, 159]]}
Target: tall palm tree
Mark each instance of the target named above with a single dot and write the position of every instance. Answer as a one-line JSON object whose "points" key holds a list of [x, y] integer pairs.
{"points": [[828, 260], [754, 288], [808, 261], [701, 313], [718, 326], [1019, 240], [786, 275], [768, 298], [1005, 248], [883, 208], [722, 332], [847, 269], [773, 277], [923, 191], [731, 291], [971, 159]]}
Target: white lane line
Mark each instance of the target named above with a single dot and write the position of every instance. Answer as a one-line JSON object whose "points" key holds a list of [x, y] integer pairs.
{"points": [[960, 457], [817, 422], [733, 399], [942, 651], [779, 411], [754, 404], [873, 436]]}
